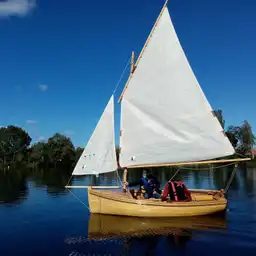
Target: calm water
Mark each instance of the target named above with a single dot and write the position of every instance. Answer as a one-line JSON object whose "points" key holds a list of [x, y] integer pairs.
{"points": [[38, 217]]}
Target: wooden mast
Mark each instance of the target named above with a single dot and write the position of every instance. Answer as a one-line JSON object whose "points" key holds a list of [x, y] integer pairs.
{"points": [[142, 51], [125, 169], [125, 180], [132, 63]]}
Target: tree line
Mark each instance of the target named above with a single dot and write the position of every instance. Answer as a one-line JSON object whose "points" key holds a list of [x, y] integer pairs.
{"points": [[16, 151], [58, 152]]}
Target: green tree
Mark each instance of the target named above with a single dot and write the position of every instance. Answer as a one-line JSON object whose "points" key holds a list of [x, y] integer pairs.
{"points": [[219, 115], [14, 142], [241, 137], [79, 152], [38, 155], [233, 135], [61, 151], [246, 138]]}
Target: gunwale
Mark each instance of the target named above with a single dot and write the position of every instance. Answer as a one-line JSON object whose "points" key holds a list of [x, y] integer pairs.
{"points": [[118, 196]]}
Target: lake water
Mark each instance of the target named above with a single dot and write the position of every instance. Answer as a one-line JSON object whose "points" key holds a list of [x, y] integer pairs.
{"points": [[39, 217]]}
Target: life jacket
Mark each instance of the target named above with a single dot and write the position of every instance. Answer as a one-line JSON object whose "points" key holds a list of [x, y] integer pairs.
{"points": [[177, 191]]}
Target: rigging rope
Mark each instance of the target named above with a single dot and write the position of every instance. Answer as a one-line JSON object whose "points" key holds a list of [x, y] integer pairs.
{"points": [[121, 77], [119, 178], [69, 180], [79, 199], [175, 173]]}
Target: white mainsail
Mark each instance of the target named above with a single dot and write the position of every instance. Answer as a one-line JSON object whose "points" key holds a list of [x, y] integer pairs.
{"points": [[165, 116], [99, 155]]}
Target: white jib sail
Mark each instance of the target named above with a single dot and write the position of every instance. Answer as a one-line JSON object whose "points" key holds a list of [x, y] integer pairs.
{"points": [[165, 116], [99, 155]]}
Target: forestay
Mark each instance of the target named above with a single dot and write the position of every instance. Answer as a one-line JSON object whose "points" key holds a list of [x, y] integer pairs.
{"points": [[99, 155], [165, 116]]}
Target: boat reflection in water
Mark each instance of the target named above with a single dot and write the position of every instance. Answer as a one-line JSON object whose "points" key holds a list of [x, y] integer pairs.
{"points": [[108, 226], [147, 232]]}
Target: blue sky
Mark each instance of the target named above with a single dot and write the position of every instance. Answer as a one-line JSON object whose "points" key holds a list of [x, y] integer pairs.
{"points": [[60, 60]]}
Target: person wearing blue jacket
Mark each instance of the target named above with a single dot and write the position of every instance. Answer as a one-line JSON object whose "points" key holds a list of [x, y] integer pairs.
{"points": [[149, 185]]}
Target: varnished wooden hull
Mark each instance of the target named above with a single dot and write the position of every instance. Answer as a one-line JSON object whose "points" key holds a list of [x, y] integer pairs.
{"points": [[108, 226], [119, 203]]}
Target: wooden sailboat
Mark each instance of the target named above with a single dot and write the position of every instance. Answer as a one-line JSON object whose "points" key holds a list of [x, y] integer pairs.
{"points": [[166, 120]]}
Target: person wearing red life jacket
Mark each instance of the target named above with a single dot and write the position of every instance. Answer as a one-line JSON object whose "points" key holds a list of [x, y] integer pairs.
{"points": [[177, 191]]}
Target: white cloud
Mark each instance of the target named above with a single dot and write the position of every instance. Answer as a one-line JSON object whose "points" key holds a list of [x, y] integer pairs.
{"points": [[43, 87], [31, 121], [16, 7]]}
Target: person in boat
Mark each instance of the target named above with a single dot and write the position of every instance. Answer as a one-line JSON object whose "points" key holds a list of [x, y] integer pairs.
{"points": [[149, 186], [176, 191]]}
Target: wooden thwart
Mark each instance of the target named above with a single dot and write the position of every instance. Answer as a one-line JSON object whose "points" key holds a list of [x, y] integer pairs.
{"points": [[192, 163]]}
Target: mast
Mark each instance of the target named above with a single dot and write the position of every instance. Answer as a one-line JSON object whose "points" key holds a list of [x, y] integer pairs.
{"points": [[132, 63], [132, 69]]}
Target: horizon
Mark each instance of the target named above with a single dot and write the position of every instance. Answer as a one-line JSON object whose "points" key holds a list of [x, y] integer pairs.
{"points": [[34, 88]]}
